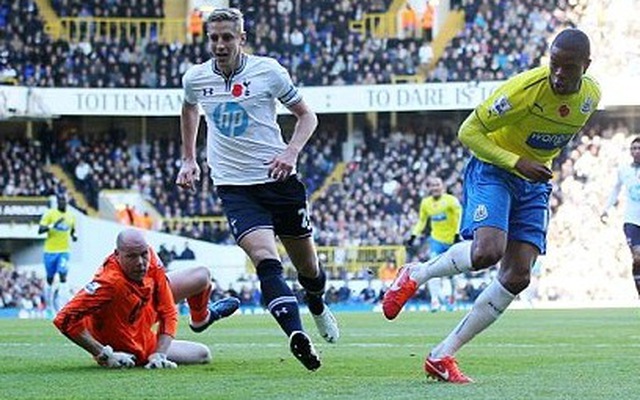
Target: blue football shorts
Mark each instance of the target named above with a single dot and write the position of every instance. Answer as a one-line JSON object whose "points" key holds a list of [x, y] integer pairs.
{"points": [[494, 197], [56, 263], [280, 206], [437, 247]]}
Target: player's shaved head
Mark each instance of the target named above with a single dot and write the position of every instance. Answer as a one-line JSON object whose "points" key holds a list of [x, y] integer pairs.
{"points": [[573, 40], [133, 252], [130, 238]]}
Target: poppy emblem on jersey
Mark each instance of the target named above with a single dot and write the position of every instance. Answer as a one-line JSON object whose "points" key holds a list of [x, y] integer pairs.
{"points": [[237, 90], [564, 110]]}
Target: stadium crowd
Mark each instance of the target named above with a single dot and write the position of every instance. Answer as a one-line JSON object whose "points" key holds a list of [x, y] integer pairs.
{"points": [[313, 41], [20, 289], [109, 9], [377, 200], [500, 39], [577, 254], [22, 171]]}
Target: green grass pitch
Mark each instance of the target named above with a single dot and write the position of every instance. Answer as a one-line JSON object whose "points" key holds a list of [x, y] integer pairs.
{"points": [[528, 354]]}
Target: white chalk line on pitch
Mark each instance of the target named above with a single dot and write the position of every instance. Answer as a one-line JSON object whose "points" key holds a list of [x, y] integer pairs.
{"points": [[363, 345]]}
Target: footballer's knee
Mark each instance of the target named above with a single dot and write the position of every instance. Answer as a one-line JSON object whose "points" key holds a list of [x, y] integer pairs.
{"points": [[515, 281], [201, 275], [489, 246], [485, 256], [260, 254], [516, 286], [268, 269]]}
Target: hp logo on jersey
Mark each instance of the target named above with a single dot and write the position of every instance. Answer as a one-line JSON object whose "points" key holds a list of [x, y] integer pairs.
{"points": [[231, 119]]}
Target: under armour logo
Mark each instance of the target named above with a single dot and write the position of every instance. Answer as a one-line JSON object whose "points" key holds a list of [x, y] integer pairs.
{"points": [[207, 92], [283, 310]]}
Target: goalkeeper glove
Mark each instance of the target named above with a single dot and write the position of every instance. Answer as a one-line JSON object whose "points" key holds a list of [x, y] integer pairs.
{"points": [[159, 360], [115, 359]]}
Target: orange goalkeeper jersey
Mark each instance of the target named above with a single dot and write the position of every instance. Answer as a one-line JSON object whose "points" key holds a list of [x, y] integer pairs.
{"points": [[120, 312]]}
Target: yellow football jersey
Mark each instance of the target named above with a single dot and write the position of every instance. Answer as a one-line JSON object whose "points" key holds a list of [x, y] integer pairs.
{"points": [[445, 217], [58, 236], [526, 118]]}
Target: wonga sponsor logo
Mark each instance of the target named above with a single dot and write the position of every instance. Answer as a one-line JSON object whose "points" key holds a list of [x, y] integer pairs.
{"points": [[548, 141]]}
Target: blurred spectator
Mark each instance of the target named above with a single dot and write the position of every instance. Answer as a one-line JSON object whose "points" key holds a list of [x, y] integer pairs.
{"points": [[19, 289], [187, 253], [368, 294], [165, 255], [387, 271], [23, 170], [196, 24]]}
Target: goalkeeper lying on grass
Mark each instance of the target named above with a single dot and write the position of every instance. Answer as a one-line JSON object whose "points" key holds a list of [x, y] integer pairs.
{"points": [[112, 316]]}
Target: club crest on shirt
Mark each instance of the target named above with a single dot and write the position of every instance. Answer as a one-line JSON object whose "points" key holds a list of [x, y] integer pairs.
{"points": [[91, 287], [481, 213], [587, 106], [500, 106]]}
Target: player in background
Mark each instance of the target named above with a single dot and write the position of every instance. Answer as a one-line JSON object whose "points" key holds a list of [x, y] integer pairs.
{"points": [[442, 210], [629, 177], [60, 227], [254, 171], [112, 317], [514, 135]]}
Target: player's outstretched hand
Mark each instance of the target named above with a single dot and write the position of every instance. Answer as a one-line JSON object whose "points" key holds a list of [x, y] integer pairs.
{"points": [[189, 173], [533, 170], [115, 359], [159, 360]]}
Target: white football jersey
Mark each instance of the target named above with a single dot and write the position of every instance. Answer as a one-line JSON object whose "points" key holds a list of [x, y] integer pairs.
{"points": [[629, 177], [242, 131]]}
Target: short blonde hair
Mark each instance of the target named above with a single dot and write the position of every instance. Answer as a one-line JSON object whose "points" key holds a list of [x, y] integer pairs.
{"points": [[228, 14]]}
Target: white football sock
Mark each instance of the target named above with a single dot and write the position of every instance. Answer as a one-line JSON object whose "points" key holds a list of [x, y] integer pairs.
{"points": [[435, 289], [63, 295], [486, 310], [48, 296], [454, 261]]}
